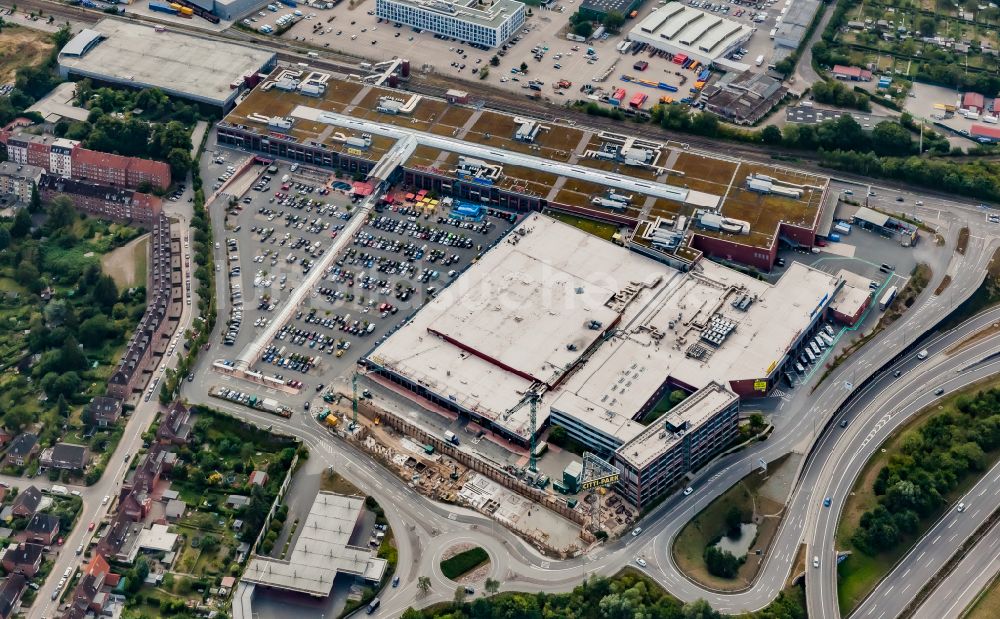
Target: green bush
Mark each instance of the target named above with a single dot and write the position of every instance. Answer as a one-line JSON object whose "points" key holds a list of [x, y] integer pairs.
{"points": [[464, 562]]}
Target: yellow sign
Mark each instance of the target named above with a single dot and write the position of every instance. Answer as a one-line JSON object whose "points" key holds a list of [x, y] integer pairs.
{"points": [[354, 151], [607, 480], [760, 385], [771, 367]]}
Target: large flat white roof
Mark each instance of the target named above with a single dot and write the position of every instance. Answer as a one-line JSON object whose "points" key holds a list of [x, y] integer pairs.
{"points": [[321, 551], [564, 277], [190, 66], [685, 29]]}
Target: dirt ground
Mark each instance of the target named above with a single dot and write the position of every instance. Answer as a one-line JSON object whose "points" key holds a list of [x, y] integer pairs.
{"points": [[19, 47], [127, 264]]}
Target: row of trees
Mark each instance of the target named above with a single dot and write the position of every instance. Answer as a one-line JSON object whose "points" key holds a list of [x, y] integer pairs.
{"points": [[835, 92], [931, 462], [628, 595]]}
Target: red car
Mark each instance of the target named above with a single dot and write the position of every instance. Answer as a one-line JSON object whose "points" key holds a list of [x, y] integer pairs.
{"points": [[90, 527]]}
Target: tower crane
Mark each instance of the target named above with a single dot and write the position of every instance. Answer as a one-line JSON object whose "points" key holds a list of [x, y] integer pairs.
{"points": [[531, 398]]}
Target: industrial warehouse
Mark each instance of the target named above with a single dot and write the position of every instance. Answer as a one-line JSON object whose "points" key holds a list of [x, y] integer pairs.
{"points": [[686, 32], [190, 67]]}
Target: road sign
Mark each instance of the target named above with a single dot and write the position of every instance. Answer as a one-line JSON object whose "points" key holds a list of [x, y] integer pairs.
{"points": [[763, 464]]}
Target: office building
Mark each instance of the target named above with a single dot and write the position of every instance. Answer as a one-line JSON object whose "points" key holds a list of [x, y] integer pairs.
{"points": [[491, 23]]}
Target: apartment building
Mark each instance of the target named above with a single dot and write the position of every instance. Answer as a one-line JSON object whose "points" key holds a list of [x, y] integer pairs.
{"points": [[102, 201], [64, 158], [19, 180]]}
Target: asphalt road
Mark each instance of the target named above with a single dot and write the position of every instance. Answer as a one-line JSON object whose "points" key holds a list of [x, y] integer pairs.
{"points": [[929, 555], [884, 412], [94, 509], [961, 588]]}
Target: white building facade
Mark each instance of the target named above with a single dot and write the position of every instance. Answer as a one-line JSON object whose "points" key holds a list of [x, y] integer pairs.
{"points": [[491, 24]]}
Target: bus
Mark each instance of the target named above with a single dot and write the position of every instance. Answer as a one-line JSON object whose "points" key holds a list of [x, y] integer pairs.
{"points": [[887, 298]]}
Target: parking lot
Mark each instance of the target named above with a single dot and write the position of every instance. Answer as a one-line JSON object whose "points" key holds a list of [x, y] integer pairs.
{"points": [[283, 224], [357, 30]]}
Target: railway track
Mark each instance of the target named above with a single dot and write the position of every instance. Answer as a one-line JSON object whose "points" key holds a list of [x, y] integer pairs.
{"points": [[493, 98]]}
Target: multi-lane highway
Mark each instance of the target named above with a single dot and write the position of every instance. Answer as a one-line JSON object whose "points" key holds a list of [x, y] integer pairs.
{"points": [[974, 572]]}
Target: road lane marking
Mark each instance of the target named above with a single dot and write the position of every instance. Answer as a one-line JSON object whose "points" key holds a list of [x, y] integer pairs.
{"points": [[935, 540]]}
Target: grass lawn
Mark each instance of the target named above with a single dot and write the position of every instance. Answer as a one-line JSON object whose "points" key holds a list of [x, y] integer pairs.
{"points": [[597, 228], [464, 562], [859, 573], [709, 524], [987, 606], [333, 482]]}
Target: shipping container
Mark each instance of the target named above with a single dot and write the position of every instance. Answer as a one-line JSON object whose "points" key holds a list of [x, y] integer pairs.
{"points": [[638, 100], [843, 227], [161, 7]]}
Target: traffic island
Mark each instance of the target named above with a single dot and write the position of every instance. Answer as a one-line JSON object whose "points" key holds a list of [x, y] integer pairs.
{"points": [[725, 544], [465, 563]]}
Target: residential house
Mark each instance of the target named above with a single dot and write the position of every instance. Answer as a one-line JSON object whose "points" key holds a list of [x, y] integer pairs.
{"points": [[852, 74], [973, 102], [135, 506], [22, 449], [175, 427], [64, 456], [23, 559], [258, 478], [26, 503], [5, 436], [104, 411], [87, 595], [11, 590], [43, 529]]}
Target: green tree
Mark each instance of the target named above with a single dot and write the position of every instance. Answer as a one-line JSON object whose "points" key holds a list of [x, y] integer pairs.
{"points": [[613, 21], [459, 597], [583, 29], [771, 135], [495, 61], [524, 67], [95, 331], [35, 206], [22, 224], [492, 586], [423, 584], [721, 563], [890, 138], [927, 26], [700, 609], [734, 522]]}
